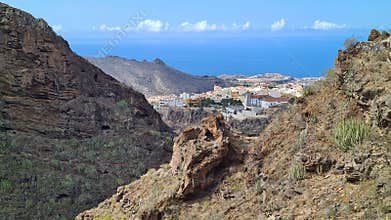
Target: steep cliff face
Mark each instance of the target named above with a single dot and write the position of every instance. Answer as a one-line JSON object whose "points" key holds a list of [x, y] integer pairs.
{"points": [[47, 89], [325, 157], [65, 124]]}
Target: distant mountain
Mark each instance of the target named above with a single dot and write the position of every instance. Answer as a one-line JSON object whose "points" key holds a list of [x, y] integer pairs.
{"points": [[154, 78]]}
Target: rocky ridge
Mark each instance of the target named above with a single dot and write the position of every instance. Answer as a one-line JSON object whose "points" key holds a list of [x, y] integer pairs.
{"points": [[69, 133], [295, 169], [154, 78]]}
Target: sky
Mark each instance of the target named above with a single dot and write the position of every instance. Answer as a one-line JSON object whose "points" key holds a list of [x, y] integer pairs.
{"points": [[298, 38], [91, 17]]}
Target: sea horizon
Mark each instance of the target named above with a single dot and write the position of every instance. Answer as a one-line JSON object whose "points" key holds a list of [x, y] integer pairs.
{"points": [[298, 55]]}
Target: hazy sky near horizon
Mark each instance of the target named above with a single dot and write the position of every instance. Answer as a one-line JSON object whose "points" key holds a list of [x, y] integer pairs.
{"points": [[205, 16]]}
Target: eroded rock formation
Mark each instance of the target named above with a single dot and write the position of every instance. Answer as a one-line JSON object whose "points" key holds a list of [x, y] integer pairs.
{"points": [[200, 153]]}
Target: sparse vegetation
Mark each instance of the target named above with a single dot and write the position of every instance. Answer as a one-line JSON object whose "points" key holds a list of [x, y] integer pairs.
{"points": [[309, 91], [28, 203], [383, 56], [350, 133], [259, 186], [72, 142], [5, 186], [119, 181], [224, 102], [123, 106], [56, 164], [26, 164], [292, 100], [94, 143], [300, 141], [298, 171], [5, 143]]}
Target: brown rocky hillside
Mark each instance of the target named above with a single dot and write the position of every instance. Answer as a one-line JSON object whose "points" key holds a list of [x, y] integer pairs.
{"points": [[325, 157], [154, 78], [69, 133]]}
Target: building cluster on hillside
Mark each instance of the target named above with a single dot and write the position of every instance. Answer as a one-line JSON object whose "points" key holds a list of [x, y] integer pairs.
{"points": [[263, 95]]}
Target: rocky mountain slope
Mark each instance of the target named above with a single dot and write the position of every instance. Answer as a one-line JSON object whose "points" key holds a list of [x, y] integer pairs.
{"points": [[69, 133], [154, 78], [326, 157]]}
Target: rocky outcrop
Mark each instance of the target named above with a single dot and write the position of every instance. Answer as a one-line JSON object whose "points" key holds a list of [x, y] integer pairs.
{"points": [[69, 133], [359, 69], [199, 152], [376, 35], [154, 78]]}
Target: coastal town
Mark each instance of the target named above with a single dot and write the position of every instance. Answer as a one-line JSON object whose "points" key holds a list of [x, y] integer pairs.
{"points": [[250, 98]]}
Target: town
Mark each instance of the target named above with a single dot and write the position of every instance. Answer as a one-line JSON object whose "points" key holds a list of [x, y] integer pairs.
{"points": [[252, 98]]}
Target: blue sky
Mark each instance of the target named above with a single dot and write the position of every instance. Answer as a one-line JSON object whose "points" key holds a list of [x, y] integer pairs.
{"points": [[298, 38], [93, 18]]}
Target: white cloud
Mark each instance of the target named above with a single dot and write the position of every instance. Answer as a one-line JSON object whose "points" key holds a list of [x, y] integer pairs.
{"points": [[242, 27], [57, 28], [203, 26], [105, 27], [145, 25], [160, 26], [152, 26], [278, 25], [197, 27], [324, 25]]}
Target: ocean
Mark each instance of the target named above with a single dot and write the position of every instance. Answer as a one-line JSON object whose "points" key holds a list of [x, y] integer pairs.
{"points": [[300, 55]]}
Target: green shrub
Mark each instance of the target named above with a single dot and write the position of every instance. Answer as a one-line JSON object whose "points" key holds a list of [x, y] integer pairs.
{"points": [[72, 142], [56, 164], [123, 106], [300, 141], [6, 186], [292, 100], [90, 155], [91, 173], [26, 164], [298, 171], [349, 133], [28, 204], [259, 186], [308, 91], [67, 184], [94, 143], [119, 181]]}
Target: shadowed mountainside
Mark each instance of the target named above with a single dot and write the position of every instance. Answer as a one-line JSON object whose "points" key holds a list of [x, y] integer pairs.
{"points": [[69, 133]]}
